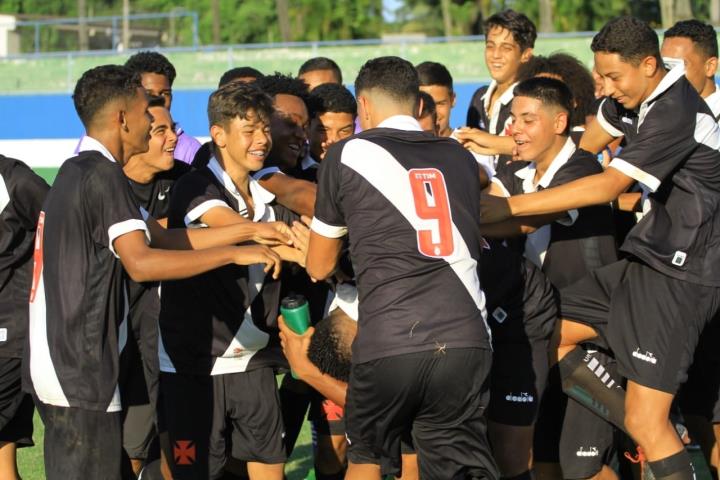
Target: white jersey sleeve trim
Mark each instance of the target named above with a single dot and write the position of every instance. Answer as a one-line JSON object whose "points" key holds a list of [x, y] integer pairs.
{"points": [[500, 184], [605, 124], [4, 195], [121, 228], [329, 231], [202, 209], [260, 174], [632, 171]]}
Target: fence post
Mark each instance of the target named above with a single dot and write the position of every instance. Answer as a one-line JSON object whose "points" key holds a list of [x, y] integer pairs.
{"points": [[37, 38]]}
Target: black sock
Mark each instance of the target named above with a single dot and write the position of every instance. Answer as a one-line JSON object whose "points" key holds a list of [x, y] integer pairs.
{"points": [[593, 385], [526, 475], [675, 467]]}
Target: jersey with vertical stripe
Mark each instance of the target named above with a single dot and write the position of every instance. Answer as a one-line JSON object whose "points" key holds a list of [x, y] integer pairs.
{"points": [[408, 202]]}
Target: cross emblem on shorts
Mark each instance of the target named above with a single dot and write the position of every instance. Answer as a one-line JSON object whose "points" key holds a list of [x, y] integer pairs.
{"points": [[184, 452]]}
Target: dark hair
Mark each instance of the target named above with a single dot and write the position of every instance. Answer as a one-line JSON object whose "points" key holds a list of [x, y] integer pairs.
{"points": [[101, 85], [330, 347], [278, 83], [156, 101], [575, 75], [549, 91], [701, 34], [237, 100], [331, 97], [239, 72], [630, 38], [522, 28], [152, 62], [393, 75], [321, 63], [433, 73], [428, 105]]}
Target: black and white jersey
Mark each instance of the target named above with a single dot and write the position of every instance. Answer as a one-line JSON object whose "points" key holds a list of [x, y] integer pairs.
{"points": [[672, 151], [409, 203], [574, 245], [78, 300], [225, 320], [713, 101], [22, 193], [496, 121]]}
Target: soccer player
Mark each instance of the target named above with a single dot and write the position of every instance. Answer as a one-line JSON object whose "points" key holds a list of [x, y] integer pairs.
{"points": [[240, 74], [436, 80], [510, 38], [695, 44], [381, 187], [333, 110], [427, 115], [218, 330], [650, 306], [320, 70], [157, 75], [22, 193], [91, 234]]}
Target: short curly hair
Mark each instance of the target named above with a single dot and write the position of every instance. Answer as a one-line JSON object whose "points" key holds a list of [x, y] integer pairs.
{"points": [[701, 34], [331, 97], [152, 62], [522, 28], [630, 38], [394, 76], [101, 85], [237, 99], [278, 83]]}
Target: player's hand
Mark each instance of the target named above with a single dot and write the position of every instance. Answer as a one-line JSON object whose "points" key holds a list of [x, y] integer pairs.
{"points": [[252, 254], [295, 347], [272, 233], [301, 236], [494, 209]]}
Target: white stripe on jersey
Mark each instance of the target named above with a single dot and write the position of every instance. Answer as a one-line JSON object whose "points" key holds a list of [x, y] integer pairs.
{"points": [[390, 178], [42, 370], [4, 194]]}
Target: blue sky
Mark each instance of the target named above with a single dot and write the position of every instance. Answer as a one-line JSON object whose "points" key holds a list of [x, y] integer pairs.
{"points": [[389, 7]]}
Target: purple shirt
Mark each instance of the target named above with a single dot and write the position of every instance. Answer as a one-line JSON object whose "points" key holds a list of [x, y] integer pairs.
{"points": [[186, 147]]}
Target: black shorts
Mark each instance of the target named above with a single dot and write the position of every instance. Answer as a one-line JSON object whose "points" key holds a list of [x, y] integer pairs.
{"points": [[587, 441], [517, 381], [16, 406], [326, 417], [81, 443], [210, 418], [700, 395], [438, 396], [650, 321]]}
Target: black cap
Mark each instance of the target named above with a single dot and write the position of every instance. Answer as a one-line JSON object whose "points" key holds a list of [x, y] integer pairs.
{"points": [[292, 302]]}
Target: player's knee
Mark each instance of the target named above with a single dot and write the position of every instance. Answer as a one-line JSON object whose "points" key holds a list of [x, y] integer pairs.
{"points": [[642, 427]]}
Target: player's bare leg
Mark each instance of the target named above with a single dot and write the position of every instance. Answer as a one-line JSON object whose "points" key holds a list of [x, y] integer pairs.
{"points": [[567, 336], [512, 448], [330, 456], [409, 467], [265, 471], [8, 461], [363, 471], [547, 471]]}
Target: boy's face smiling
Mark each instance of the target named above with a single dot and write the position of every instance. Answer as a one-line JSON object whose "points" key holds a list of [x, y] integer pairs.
{"points": [[328, 128], [626, 83], [244, 141], [444, 102], [503, 55], [289, 128], [535, 127], [163, 140]]}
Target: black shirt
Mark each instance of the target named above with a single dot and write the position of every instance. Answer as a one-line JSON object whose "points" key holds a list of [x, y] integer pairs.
{"points": [[570, 247], [78, 303], [409, 203], [225, 320], [22, 193], [672, 151]]}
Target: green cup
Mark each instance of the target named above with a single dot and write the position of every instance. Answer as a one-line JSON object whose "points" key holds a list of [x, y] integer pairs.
{"points": [[295, 311]]}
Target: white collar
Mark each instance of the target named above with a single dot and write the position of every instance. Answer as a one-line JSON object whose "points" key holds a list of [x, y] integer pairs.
{"points": [[308, 162], [260, 196], [713, 101], [528, 173], [401, 122], [504, 99], [88, 143], [668, 81]]}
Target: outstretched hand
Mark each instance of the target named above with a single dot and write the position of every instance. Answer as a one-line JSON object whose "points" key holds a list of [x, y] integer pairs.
{"points": [[252, 254], [272, 233]]}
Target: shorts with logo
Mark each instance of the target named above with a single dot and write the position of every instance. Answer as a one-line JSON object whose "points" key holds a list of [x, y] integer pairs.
{"points": [[440, 397], [16, 406], [522, 313], [650, 321], [700, 395], [326, 417], [210, 418]]}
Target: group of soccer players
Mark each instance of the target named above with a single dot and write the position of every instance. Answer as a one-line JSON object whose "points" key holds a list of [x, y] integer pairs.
{"points": [[531, 295]]}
